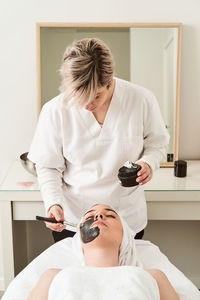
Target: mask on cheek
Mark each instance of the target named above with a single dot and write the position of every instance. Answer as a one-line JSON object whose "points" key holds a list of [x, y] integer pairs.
{"points": [[88, 234]]}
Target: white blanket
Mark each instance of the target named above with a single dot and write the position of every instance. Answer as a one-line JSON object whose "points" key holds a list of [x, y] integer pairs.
{"points": [[116, 283]]}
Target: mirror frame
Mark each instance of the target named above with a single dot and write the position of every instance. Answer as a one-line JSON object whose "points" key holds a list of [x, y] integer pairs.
{"points": [[40, 25]]}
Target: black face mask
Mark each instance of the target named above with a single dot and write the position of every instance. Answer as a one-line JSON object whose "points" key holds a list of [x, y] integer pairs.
{"points": [[88, 234]]}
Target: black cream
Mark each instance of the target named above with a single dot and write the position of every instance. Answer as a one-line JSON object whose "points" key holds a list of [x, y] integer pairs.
{"points": [[88, 234]]}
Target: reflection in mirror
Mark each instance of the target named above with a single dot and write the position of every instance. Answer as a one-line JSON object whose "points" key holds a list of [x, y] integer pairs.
{"points": [[154, 66], [146, 55]]}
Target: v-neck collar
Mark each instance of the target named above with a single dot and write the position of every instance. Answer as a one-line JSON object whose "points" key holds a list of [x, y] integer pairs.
{"points": [[92, 124]]}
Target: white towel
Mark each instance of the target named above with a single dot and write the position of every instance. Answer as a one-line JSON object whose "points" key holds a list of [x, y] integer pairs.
{"points": [[128, 254], [116, 283]]}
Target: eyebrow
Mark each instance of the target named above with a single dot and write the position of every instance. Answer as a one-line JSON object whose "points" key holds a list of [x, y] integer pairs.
{"points": [[108, 209]]}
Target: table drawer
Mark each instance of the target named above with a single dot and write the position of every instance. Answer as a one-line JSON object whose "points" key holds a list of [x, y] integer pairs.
{"points": [[27, 210], [173, 210]]}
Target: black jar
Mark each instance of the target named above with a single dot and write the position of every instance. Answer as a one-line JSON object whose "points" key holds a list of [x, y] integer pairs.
{"points": [[128, 175], [180, 168]]}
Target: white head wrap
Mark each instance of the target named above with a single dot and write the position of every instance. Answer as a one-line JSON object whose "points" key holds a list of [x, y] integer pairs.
{"points": [[127, 256]]}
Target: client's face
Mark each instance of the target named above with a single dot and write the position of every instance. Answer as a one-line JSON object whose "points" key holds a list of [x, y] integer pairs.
{"points": [[102, 225]]}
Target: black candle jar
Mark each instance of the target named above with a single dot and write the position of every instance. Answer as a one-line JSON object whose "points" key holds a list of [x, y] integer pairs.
{"points": [[180, 168]]}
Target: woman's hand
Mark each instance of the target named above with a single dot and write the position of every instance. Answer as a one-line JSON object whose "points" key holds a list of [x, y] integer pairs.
{"points": [[55, 212], [145, 174]]}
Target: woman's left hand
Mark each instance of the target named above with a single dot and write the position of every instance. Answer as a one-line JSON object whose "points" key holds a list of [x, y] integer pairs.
{"points": [[145, 174]]}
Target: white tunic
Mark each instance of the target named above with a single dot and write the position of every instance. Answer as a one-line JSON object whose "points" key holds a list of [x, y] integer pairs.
{"points": [[78, 160]]}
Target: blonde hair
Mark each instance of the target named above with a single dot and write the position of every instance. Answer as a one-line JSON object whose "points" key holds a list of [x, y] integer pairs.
{"points": [[87, 65]]}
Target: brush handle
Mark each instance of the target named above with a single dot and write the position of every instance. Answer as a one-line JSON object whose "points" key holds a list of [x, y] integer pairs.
{"points": [[39, 218]]}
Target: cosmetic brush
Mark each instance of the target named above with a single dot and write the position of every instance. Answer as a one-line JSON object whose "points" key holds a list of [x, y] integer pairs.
{"points": [[39, 218]]}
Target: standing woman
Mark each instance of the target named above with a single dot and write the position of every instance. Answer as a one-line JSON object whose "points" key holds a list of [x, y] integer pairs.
{"points": [[85, 134]]}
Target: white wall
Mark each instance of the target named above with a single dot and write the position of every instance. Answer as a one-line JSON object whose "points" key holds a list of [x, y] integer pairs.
{"points": [[18, 102]]}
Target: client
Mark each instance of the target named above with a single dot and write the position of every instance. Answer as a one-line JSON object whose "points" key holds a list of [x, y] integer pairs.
{"points": [[103, 239], [102, 260]]}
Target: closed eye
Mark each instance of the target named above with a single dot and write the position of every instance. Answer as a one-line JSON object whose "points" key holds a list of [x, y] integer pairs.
{"points": [[111, 216], [90, 217]]}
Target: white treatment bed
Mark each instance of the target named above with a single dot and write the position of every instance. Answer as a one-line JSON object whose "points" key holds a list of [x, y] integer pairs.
{"points": [[62, 255]]}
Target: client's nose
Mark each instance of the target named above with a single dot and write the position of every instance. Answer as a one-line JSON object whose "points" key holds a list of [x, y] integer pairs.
{"points": [[98, 216]]}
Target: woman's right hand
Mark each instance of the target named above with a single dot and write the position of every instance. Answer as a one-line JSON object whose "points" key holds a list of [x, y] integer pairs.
{"points": [[55, 212]]}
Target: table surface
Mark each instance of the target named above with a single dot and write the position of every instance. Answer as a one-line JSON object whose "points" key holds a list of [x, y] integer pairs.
{"points": [[18, 179]]}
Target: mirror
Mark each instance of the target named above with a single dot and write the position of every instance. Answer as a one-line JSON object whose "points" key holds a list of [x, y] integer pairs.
{"points": [[146, 54]]}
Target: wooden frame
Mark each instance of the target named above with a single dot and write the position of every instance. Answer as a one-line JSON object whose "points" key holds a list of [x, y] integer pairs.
{"points": [[123, 25]]}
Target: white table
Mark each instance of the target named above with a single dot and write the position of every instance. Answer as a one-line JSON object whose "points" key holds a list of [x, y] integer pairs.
{"points": [[168, 198]]}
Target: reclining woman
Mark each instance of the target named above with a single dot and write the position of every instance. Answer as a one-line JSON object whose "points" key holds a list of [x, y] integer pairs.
{"points": [[102, 260], [101, 233]]}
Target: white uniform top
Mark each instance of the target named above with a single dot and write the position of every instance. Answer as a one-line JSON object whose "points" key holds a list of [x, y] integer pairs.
{"points": [[77, 160]]}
